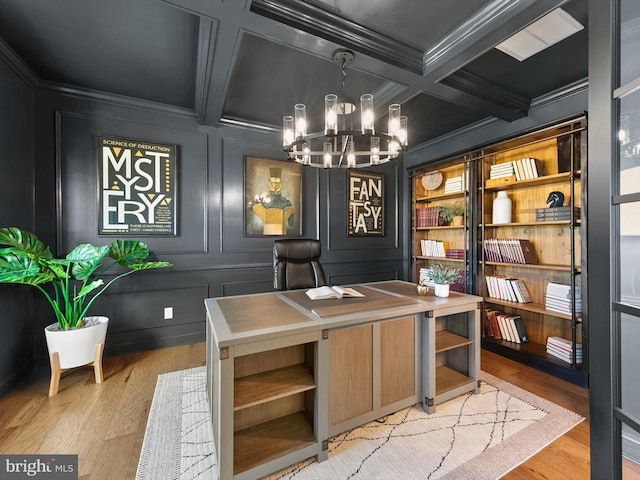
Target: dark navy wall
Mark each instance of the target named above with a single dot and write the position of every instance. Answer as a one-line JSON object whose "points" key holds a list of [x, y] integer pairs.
{"points": [[16, 208]]}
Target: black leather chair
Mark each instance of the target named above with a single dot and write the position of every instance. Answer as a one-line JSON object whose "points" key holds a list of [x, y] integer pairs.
{"points": [[296, 264]]}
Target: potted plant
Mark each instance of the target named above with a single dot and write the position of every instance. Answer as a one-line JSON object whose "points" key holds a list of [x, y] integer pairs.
{"points": [[453, 213], [442, 277], [76, 283]]}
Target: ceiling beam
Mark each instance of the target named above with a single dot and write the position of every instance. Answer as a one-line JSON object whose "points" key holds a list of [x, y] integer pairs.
{"points": [[474, 85], [324, 24]]}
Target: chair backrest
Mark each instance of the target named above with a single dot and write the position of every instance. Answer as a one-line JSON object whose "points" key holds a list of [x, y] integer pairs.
{"points": [[296, 264]]}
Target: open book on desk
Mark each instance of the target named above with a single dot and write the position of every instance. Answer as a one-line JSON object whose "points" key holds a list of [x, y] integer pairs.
{"points": [[321, 293]]}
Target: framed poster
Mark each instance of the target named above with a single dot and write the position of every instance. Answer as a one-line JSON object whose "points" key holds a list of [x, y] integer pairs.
{"points": [[272, 197], [137, 187], [366, 203]]}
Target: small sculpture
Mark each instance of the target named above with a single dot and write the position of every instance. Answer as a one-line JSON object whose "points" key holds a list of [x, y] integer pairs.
{"points": [[555, 199]]}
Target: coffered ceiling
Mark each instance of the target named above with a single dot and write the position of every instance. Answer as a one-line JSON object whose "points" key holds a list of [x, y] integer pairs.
{"points": [[249, 61]]}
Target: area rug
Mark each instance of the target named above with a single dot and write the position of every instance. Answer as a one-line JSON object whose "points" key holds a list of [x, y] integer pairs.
{"points": [[479, 436]]}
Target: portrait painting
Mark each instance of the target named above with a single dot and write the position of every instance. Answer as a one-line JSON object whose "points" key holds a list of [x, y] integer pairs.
{"points": [[273, 197]]}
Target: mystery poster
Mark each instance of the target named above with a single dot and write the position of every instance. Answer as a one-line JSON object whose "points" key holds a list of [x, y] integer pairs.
{"points": [[137, 185]]}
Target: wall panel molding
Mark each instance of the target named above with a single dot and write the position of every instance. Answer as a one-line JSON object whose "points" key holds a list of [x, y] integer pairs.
{"points": [[77, 173]]}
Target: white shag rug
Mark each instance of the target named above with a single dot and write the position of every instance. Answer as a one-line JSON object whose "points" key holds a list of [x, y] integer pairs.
{"points": [[479, 436]]}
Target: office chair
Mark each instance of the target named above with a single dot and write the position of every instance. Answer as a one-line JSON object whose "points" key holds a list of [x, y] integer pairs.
{"points": [[296, 264]]}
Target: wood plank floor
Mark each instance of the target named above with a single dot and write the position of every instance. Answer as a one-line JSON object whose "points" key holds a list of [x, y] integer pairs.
{"points": [[104, 424]]}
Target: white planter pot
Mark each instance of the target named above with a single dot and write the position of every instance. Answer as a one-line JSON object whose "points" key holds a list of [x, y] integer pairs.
{"points": [[78, 346], [441, 290]]}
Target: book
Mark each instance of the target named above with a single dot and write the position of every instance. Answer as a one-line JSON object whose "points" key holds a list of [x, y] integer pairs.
{"points": [[522, 333], [493, 322], [321, 293], [524, 292], [512, 329]]}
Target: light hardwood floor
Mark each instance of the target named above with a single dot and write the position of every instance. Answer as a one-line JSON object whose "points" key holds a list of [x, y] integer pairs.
{"points": [[104, 424]]}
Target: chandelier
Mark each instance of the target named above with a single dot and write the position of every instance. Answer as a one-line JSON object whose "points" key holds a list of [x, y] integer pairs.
{"points": [[340, 145]]}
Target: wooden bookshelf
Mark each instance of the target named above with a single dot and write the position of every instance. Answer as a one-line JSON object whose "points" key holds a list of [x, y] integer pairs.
{"points": [[560, 153], [453, 236], [557, 243]]}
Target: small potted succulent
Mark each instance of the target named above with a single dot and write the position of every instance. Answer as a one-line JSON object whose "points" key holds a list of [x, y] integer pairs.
{"points": [[442, 277], [453, 213]]}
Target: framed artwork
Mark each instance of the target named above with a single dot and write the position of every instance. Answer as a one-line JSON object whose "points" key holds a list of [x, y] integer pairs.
{"points": [[366, 203], [272, 197], [137, 187]]}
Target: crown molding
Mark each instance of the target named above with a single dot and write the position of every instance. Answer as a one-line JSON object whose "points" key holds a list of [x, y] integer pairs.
{"points": [[18, 65], [114, 99]]}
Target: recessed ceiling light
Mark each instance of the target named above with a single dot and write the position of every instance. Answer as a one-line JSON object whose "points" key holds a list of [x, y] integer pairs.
{"points": [[541, 34]]}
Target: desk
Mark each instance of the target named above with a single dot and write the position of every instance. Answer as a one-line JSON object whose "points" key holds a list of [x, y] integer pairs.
{"points": [[285, 373]]}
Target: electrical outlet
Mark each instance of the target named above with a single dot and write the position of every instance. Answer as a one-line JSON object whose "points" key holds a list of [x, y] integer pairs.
{"points": [[168, 313]]}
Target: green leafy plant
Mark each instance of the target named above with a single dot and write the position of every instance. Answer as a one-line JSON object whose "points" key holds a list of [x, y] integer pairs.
{"points": [[76, 281], [443, 275], [450, 210]]}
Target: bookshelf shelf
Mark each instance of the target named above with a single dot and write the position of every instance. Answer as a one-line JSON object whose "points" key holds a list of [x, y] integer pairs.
{"points": [[530, 307], [444, 259], [443, 227], [439, 197], [529, 224], [531, 183], [535, 266]]}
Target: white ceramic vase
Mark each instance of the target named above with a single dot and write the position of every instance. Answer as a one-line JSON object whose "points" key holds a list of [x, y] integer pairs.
{"points": [[441, 290], [501, 209], [76, 347]]}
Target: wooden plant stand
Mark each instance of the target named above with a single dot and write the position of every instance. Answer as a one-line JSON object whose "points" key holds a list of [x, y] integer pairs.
{"points": [[56, 371]]}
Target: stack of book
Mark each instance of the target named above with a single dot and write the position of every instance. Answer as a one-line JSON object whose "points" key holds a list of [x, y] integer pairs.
{"points": [[503, 326], [526, 168], [434, 248], [456, 184], [509, 250], [500, 170], [558, 298], [508, 289], [561, 348], [427, 216], [556, 213], [456, 253], [424, 277]]}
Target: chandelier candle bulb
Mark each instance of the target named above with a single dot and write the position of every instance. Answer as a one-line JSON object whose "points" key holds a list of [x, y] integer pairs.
{"points": [[366, 109], [326, 148], [301, 120], [330, 114], [351, 154], [394, 119], [375, 150], [287, 130], [403, 131]]}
